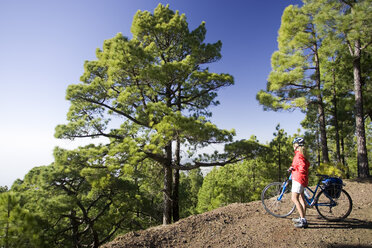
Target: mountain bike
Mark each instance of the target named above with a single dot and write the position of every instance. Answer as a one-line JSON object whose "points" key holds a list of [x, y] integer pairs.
{"points": [[332, 202]]}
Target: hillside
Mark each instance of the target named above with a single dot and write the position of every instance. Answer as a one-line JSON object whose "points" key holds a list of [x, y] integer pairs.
{"points": [[248, 225]]}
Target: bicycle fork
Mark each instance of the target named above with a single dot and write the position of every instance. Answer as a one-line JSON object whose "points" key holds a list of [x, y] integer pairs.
{"points": [[284, 187]]}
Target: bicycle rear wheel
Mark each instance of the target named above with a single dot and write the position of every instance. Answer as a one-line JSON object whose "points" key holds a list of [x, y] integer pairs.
{"points": [[334, 209], [271, 203]]}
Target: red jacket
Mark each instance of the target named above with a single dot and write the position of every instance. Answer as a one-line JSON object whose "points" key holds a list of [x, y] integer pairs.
{"points": [[300, 172]]}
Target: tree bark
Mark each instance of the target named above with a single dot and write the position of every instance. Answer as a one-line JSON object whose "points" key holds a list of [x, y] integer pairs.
{"points": [[318, 146], [343, 156], [176, 183], [176, 178], [167, 190], [279, 164], [337, 130], [75, 229], [363, 169], [321, 115], [323, 132], [96, 242]]}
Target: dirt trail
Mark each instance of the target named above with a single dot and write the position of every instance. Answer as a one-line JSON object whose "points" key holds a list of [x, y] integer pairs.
{"points": [[248, 225]]}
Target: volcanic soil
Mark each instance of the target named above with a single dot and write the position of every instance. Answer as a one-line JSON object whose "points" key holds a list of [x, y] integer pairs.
{"points": [[248, 225]]}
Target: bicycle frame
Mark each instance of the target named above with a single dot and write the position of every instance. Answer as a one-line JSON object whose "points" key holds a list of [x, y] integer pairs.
{"points": [[310, 201]]}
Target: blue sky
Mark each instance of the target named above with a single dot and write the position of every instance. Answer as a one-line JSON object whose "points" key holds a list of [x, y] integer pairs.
{"points": [[44, 43]]}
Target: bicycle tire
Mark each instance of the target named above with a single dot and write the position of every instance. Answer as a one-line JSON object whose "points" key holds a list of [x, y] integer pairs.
{"points": [[278, 208], [341, 209]]}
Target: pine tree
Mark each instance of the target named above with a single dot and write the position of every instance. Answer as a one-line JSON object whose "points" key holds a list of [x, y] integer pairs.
{"points": [[295, 79], [352, 22], [281, 154], [159, 89]]}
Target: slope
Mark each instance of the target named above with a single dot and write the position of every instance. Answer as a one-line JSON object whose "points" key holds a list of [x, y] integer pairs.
{"points": [[248, 225]]}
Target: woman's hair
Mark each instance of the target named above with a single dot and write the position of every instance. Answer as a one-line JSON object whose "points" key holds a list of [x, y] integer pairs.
{"points": [[302, 150]]}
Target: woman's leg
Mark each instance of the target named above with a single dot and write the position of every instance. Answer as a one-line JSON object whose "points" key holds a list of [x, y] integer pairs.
{"points": [[299, 206], [303, 203]]}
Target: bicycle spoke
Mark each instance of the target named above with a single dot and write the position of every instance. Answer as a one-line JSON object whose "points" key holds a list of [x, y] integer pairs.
{"points": [[334, 209], [276, 204]]}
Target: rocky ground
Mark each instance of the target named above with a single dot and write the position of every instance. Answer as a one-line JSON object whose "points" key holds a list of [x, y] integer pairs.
{"points": [[248, 225]]}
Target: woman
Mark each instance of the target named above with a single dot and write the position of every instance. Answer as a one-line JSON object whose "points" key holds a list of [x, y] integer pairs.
{"points": [[300, 175]]}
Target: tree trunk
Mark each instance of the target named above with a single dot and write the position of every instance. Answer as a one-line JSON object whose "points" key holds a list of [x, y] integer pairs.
{"points": [[343, 151], [337, 130], [96, 242], [343, 157], [176, 183], [321, 115], [323, 132], [176, 178], [363, 169], [280, 164], [75, 230], [318, 146], [167, 190], [342, 143]]}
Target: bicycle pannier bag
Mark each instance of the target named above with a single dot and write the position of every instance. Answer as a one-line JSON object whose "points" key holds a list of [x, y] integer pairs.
{"points": [[333, 186]]}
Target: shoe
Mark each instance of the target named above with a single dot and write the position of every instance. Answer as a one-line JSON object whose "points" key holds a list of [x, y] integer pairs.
{"points": [[301, 224], [296, 220]]}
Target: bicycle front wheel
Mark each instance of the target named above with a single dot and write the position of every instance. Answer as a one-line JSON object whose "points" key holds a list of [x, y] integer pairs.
{"points": [[334, 209], [276, 203]]}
